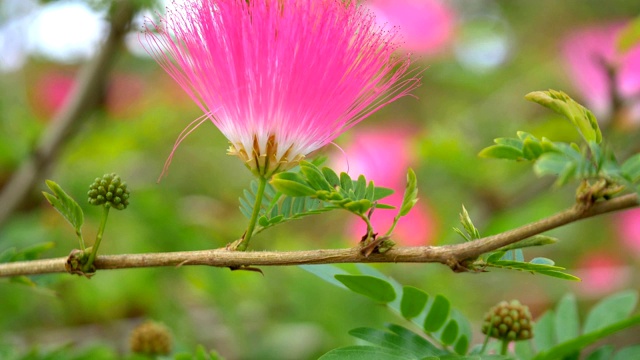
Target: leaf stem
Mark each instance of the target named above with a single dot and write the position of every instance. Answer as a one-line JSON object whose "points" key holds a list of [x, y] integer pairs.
{"points": [[94, 249], [244, 242]]}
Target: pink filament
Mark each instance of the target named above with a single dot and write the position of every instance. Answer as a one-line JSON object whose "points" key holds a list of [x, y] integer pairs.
{"points": [[303, 71]]}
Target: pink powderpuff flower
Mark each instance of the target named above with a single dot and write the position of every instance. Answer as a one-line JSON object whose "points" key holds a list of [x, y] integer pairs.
{"points": [[426, 26], [589, 53], [279, 78], [601, 273], [383, 155], [628, 226]]}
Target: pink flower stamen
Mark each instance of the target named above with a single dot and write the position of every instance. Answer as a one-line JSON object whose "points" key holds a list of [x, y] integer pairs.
{"points": [[280, 78]]}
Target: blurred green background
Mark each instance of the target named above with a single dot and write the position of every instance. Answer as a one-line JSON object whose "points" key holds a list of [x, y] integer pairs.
{"points": [[472, 92]]}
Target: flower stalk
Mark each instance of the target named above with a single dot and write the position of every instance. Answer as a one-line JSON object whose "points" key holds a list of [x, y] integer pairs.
{"points": [[244, 241]]}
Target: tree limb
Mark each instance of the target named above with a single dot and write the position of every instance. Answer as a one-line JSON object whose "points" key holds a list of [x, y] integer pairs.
{"points": [[451, 255]]}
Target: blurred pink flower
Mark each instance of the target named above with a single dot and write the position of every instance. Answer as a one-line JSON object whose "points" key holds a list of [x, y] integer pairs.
{"points": [[628, 225], [601, 273], [280, 79], [50, 92], [426, 26], [384, 155], [588, 53]]}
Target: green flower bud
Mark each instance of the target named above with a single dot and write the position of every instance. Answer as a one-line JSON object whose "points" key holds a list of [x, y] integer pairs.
{"points": [[109, 191], [508, 321]]}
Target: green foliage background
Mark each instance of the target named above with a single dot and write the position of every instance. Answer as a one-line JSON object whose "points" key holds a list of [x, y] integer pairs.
{"points": [[288, 313]]}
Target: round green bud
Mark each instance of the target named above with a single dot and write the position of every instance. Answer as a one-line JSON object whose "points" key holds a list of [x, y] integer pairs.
{"points": [[109, 191], [508, 321]]}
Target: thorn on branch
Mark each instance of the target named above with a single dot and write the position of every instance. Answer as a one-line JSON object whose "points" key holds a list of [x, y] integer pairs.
{"points": [[246, 268]]}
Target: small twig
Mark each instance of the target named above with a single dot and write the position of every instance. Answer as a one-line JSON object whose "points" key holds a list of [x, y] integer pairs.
{"points": [[451, 255]]}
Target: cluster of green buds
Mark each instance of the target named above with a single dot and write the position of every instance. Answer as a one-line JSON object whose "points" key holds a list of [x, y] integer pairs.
{"points": [[508, 321], [150, 338], [109, 190]]}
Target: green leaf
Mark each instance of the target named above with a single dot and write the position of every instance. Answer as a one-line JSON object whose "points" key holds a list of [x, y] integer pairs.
{"points": [[501, 152], [359, 352], [542, 261], [551, 164], [65, 205], [380, 338], [381, 192], [630, 352], [437, 315], [450, 333], [33, 252], [415, 343], [581, 117], [326, 273], [514, 143], [631, 168], [532, 149], [314, 176], [629, 36], [291, 184], [413, 301], [544, 332], [410, 193], [536, 240], [610, 310], [331, 176], [345, 182], [567, 325], [372, 287], [576, 344], [462, 345]]}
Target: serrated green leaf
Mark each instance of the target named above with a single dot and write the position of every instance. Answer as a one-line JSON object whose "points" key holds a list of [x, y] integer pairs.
{"points": [[413, 301], [629, 36], [65, 205], [359, 352], [501, 152], [372, 287], [610, 310], [450, 333], [437, 315], [410, 197], [631, 168], [567, 324]]}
